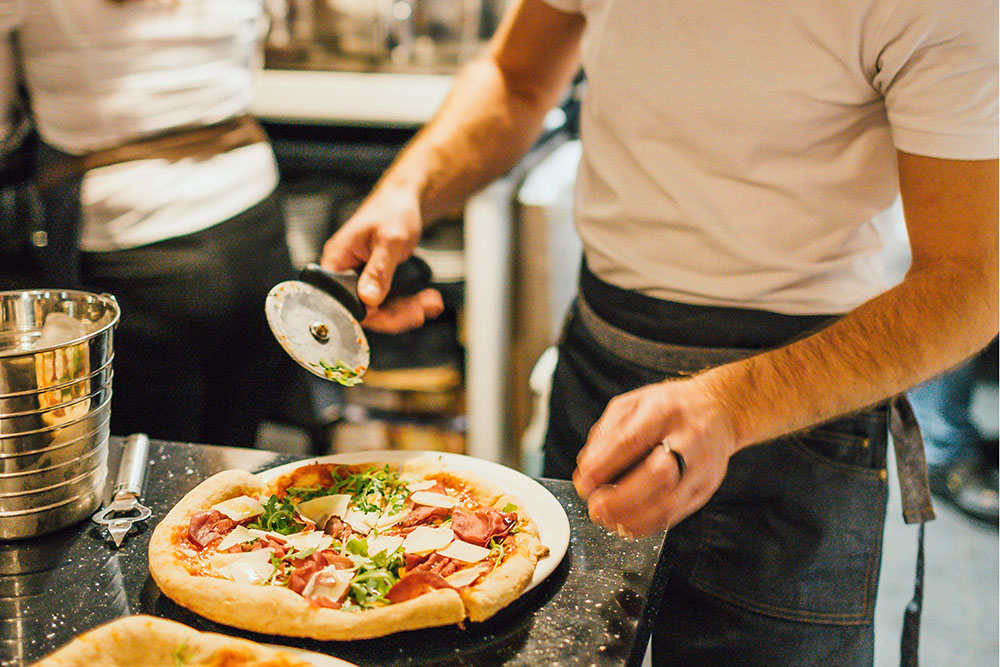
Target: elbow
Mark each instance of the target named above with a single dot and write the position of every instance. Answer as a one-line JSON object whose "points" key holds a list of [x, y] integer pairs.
{"points": [[968, 286]]}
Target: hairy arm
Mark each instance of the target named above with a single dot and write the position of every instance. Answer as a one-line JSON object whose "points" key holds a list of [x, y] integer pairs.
{"points": [[942, 312], [494, 112], [489, 120]]}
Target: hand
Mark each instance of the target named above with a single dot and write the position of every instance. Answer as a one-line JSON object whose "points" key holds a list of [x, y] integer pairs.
{"points": [[632, 484], [380, 235]]}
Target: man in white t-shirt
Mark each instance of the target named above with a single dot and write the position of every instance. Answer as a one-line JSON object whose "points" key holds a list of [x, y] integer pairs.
{"points": [[739, 163]]}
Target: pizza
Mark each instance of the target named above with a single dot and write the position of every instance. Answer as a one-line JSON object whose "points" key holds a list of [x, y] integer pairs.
{"points": [[346, 551], [145, 641]]}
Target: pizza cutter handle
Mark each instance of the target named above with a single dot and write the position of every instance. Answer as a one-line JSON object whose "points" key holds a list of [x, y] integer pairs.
{"points": [[132, 468], [411, 276]]}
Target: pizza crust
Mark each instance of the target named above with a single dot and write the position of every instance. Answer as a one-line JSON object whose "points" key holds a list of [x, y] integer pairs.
{"points": [[145, 641], [505, 584], [280, 611]]}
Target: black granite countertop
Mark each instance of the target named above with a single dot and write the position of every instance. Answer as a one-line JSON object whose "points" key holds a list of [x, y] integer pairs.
{"points": [[594, 609]]}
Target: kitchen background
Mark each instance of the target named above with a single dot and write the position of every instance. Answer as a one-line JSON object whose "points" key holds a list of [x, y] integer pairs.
{"points": [[346, 83]]}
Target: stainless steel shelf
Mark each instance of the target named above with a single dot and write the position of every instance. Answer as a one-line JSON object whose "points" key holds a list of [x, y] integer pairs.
{"points": [[352, 98]]}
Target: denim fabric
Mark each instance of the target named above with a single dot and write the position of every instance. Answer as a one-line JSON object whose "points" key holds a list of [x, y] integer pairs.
{"points": [[944, 410], [781, 565]]}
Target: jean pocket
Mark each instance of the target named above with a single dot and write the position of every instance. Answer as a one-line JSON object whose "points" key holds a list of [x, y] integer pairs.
{"points": [[858, 440], [793, 534]]}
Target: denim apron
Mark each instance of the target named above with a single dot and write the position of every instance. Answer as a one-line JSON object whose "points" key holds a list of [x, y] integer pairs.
{"points": [[781, 566]]}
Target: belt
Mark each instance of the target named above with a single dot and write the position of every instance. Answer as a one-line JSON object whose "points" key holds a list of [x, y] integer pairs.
{"points": [[911, 466], [193, 142]]}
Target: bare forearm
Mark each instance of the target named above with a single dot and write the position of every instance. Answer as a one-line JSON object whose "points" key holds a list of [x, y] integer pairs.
{"points": [[495, 110], [488, 121], [481, 131], [938, 316]]}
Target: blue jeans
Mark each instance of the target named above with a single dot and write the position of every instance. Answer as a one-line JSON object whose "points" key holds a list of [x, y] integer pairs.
{"points": [[781, 566], [943, 409]]}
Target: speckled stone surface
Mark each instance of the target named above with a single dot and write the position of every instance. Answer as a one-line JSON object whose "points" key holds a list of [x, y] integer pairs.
{"points": [[593, 609]]}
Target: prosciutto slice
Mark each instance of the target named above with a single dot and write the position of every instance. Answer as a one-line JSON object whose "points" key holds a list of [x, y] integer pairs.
{"points": [[207, 527], [269, 543], [435, 562], [422, 515], [481, 526], [338, 529], [414, 585], [306, 567]]}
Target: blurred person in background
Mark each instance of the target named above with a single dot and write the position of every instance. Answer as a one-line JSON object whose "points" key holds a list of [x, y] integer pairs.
{"points": [[961, 458], [157, 187], [737, 158]]}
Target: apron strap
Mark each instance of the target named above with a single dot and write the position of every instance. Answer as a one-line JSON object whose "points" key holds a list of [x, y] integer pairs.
{"points": [[915, 495], [909, 642], [198, 142], [911, 466]]}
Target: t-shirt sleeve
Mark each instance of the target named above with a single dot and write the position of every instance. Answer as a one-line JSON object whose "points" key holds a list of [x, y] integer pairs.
{"points": [[937, 70]]}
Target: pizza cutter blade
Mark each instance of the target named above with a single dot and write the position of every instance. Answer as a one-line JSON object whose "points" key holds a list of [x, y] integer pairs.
{"points": [[316, 318]]}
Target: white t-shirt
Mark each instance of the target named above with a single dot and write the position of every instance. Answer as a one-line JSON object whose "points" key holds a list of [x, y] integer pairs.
{"points": [[743, 153], [102, 73]]}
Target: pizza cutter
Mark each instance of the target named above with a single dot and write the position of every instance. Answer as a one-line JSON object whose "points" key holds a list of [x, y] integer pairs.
{"points": [[316, 318], [125, 508]]}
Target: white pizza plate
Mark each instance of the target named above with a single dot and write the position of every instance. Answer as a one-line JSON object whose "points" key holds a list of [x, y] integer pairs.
{"points": [[545, 510]]}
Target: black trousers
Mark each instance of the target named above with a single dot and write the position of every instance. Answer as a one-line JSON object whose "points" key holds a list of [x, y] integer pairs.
{"points": [[194, 358]]}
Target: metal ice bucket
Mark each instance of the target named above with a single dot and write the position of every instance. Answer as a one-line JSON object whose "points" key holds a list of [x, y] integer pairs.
{"points": [[55, 403]]}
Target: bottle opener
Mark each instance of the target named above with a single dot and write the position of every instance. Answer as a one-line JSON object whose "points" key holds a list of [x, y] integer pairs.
{"points": [[125, 508]]}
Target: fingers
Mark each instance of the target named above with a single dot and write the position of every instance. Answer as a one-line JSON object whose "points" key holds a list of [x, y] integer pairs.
{"points": [[645, 500], [631, 424], [375, 279], [346, 249], [633, 483], [404, 313], [380, 235], [352, 246]]}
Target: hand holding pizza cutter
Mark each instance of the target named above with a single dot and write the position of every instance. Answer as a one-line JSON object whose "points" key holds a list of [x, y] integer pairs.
{"points": [[316, 318]]}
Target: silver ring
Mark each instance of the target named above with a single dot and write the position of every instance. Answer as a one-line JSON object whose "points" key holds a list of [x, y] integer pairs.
{"points": [[681, 463]]}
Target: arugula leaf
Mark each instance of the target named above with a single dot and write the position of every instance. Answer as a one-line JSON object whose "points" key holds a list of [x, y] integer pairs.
{"points": [[375, 574], [496, 551], [278, 574], [299, 555], [388, 561], [340, 372], [509, 507], [357, 546], [278, 517], [369, 586], [180, 654], [374, 489], [304, 493]]}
